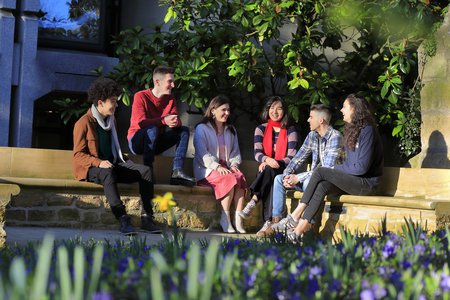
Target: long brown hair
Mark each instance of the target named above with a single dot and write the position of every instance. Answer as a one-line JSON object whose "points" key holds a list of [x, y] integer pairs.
{"points": [[361, 117], [217, 101]]}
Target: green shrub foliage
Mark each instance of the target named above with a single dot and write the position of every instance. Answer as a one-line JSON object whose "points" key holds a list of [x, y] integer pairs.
{"points": [[307, 51]]}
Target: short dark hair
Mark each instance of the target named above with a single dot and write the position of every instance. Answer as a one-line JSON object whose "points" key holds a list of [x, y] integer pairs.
{"points": [[163, 70], [102, 89], [323, 109]]}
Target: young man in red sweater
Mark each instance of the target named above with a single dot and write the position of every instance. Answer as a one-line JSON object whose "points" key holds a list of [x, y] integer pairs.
{"points": [[155, 125]]}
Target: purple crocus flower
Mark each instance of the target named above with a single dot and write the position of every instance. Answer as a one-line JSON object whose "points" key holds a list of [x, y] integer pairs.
{"points": [[445, 283], [102, 296]]}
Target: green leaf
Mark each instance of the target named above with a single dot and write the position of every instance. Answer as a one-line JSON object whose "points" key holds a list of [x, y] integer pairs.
{"points": [[169, 14], [393, 98], [385, 89], [257, 19], [250, 87], [244, 22], [397, 130], [304, 83]]}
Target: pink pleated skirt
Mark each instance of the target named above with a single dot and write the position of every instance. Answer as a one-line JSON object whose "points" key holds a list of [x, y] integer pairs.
{"points": [[222, 184]]}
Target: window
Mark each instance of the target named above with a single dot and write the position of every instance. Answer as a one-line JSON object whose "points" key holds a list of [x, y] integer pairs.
{"points": [[76, 24]]}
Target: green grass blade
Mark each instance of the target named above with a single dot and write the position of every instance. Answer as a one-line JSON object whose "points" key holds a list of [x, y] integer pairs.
{"points": [[193, 271], [64, 275], [79, 273], [210, 267], [40, 281], [96, 269]]}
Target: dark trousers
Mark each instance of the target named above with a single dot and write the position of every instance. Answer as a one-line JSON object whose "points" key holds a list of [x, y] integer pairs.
{"points": [[325, 181], [127, 172], [155, 140], [262, 188]]}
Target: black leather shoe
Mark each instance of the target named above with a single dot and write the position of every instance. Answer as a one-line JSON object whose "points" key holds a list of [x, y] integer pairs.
{"points": [[148, 225], [180, 178], [125, 226]]}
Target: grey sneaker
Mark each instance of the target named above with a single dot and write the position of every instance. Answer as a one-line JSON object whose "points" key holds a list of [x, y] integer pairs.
{"points": [[293, 237], [247, 211], [285, 224]]}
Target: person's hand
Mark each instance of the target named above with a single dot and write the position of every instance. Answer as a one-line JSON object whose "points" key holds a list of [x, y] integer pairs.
{"points": [[106, 164], [261, 167], [222, 170], [272, 163], [289, 181], [234, 169], [171, 120]]}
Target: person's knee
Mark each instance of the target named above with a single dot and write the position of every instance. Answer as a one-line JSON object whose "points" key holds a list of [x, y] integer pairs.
{"points": [[279, 179], [152, 132], [108, 176]]}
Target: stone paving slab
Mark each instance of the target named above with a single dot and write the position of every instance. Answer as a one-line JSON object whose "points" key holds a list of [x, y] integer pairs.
{"points": [[23, 235]]}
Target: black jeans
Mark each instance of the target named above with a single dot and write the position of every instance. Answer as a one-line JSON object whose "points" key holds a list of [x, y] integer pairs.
{"points": [[127, 172], [262, 188], [325, 181]]}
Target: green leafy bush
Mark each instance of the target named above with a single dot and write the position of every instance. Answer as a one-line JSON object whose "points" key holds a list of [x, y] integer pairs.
{"points": [[307, 51]]}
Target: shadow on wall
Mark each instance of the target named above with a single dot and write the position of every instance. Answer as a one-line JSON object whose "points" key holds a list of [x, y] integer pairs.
{"points": [[437, 152]]}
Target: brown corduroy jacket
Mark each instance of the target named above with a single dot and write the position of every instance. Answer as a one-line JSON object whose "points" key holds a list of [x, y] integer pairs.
{"points": [[85, 146]]}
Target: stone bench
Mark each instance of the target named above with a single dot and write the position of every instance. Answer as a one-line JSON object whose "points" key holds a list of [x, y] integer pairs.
{"points": [[47, 194], [422, 195]]}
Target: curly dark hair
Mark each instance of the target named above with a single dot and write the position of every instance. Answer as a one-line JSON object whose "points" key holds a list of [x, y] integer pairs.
{"points": [[285, 121], [217, 101], [102, 89], [361, 117]]}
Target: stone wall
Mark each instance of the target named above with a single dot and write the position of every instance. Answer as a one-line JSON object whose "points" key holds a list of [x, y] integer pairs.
{"points": [[435, 103], [89, 209]]}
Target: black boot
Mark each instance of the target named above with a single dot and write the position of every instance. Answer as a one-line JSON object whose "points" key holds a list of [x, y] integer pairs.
{"points": [[180, 178], [148, 225], [125, 225]]}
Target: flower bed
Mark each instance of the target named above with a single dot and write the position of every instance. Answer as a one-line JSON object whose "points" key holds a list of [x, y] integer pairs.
{"points": [[411, 266]]}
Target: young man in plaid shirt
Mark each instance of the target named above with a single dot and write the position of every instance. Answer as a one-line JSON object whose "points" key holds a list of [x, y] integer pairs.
{"points": [[324, 144]]}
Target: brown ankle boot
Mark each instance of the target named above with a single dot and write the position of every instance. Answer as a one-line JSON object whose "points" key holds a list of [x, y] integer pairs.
{"points": [[267, 229]]}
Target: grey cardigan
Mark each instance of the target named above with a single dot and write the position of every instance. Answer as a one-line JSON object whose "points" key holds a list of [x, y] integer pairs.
{"points": [[206, 144]]}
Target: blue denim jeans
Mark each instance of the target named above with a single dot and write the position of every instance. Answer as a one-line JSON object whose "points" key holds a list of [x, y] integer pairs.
{"points": [[154, 140], [279, 194]]}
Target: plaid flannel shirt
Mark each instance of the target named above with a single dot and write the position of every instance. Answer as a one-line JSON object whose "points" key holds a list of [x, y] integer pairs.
{"points": [[325, 152]]}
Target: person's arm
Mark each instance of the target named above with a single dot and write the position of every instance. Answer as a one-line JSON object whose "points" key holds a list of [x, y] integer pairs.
{"points": [[358, 162], [303, 153], [235, 153], [332, 151], [258, 144], [139, 112], [174, 111], [210, 161], [81, 154], [291, 147]]}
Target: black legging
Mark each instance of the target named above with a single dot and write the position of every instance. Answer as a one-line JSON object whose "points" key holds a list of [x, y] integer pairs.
{"points": [[326, 181]]}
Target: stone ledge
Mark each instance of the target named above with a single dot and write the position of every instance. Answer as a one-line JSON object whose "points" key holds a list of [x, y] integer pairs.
{"points": [[84, 185], [387, 201]]}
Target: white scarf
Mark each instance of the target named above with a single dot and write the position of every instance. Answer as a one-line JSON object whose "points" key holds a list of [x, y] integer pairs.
{"points": [[110, 125]]}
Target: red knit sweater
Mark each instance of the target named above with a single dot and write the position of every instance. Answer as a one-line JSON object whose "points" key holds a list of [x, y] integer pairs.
{"points": [[149, 110]]}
